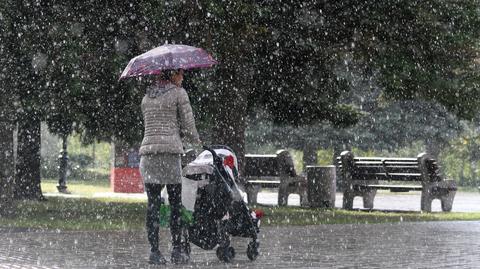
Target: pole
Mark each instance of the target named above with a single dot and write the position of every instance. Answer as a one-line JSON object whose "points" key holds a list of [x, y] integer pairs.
{"points": [[62, 168]]}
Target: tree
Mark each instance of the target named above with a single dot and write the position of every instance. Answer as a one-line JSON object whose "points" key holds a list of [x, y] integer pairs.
{"points": [[24, 85], [6, 126], [288, 57], [420, 49], [463, 155], [284, 56], [242, 34]]}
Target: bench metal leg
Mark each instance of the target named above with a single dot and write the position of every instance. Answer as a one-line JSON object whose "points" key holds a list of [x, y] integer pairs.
{"points": [[368, 198], [252, 193], [443, 190], [282, 195], [426, 200], [348, 196], [304, 199], [450, 187]]}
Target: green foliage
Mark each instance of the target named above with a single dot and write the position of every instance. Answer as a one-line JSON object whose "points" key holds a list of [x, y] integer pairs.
{"points": [[86, 162], [389, 128], [401, 123], [423, 49], [462, 157], [297, 80], [324, 156]]}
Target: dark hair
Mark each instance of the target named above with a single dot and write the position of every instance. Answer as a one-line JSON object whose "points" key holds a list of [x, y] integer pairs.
{"points": [[168, 74]]}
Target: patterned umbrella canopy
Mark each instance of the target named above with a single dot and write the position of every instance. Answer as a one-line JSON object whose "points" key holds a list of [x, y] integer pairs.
{"points": [[167, 57]]}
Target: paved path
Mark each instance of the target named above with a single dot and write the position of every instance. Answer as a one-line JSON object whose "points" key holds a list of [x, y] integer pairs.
{"points": [[464, 201], [399, 245]]}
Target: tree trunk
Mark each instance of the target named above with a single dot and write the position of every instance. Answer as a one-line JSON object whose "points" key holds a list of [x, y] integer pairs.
{"points": [[473, 172], [337, 149], [461, 175], [63, 167], [232, 134], [229, 123], [433, 147], [27, 181], [7, 168]]}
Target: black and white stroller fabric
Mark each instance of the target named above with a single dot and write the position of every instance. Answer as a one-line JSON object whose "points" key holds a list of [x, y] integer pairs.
{"points": [[197, 174], [210, 192]]}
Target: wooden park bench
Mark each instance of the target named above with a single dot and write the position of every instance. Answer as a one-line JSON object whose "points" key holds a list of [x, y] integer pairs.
{"points": [[273, 171], [363, 176]]}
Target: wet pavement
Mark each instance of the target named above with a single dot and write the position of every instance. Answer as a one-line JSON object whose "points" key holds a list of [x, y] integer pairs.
{"points": [[398, 245], [384, 200]]}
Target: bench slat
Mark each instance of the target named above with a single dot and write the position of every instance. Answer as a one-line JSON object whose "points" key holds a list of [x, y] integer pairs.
{"points": [[390, 177], [378, 163], [262, 178], [414, 164], [272, 182], [392, 188], [390, 174], [261, 165], [390, 170], [381, 158]]}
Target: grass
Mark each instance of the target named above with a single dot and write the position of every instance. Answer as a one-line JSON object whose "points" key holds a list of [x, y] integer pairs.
{"points": [[80, 187], [129, 214], [91, 213], [79, 214]]}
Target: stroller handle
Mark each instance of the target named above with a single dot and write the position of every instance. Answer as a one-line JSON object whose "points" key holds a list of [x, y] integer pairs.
{"points": [[216, 160]]}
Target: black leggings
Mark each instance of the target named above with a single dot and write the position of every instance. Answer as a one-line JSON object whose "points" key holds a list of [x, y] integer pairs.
{"points": [[153, 210]]}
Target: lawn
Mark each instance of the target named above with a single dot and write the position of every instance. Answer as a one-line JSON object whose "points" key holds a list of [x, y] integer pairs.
{"points": [[79, 187], [91, 213]]}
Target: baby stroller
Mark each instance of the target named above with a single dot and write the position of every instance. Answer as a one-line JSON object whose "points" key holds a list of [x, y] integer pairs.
{"points": [[219, 211]]}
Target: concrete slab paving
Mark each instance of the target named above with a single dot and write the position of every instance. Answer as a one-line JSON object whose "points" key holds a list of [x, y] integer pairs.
{"points": [[397, 245], [464, 201]]}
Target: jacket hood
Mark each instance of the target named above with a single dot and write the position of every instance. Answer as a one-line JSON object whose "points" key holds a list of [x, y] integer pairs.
{"points": [[159, 89]]}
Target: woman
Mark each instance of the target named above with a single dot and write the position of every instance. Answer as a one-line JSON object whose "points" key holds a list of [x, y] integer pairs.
{"points": [[168, 118]]}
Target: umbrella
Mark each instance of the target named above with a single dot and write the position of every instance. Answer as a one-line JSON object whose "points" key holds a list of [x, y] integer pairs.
{"points": [[167, 57]]}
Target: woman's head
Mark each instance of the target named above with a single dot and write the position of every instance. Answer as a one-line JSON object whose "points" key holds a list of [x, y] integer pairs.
{"points": [[174, 76]]}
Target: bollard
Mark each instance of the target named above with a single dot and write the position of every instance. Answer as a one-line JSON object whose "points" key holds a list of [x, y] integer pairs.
{"points": [[321, 185]]}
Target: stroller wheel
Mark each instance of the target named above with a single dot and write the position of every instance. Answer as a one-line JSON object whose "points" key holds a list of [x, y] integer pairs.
{"points": [[252, 250], [226, 254]]}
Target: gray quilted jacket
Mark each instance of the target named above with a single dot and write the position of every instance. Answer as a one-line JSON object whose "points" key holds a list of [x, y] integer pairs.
{"points": [[168, 118]]}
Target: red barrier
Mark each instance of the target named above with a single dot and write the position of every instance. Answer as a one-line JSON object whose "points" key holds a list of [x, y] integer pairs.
{"points": [[125, 175], [126, 180]]}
